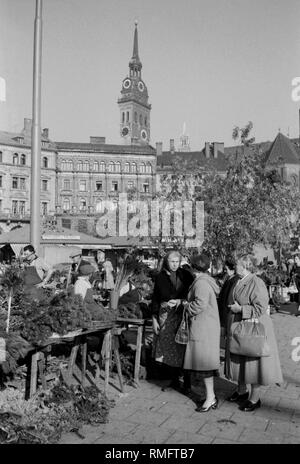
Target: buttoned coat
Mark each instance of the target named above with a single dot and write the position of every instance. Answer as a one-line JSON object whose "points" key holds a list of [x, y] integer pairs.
{"points": [[203, 348], [251, 293]]}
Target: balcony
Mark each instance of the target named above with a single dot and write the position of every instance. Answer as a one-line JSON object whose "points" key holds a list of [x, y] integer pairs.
{"points": [[9, 216]]}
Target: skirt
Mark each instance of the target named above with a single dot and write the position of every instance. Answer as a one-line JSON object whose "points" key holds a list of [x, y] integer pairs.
{"points": [[165, 349]]}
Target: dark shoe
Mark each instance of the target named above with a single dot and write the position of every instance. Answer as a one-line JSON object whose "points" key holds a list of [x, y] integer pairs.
{"points": [[186, 390], [214, 405], [173, 385], [235, 397], [248, 406]]}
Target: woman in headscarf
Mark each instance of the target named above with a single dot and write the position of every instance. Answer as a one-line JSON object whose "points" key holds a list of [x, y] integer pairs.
{"points": [[203, 349], [171, 287]]}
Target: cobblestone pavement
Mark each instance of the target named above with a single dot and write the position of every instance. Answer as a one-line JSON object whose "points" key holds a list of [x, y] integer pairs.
{"points": [[149, 415]]}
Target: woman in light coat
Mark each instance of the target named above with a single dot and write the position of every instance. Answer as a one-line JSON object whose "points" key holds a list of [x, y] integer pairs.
{"points": [[251, 301], [203, 348]]}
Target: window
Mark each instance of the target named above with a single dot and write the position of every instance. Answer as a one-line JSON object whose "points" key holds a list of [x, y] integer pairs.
{"points": [[145, 120], [142, 168], [118, 167], [82, 204], [99, 186], [102, 166], [22, 207], [0, 156], [0, 181], [14, 182], [114, 186], [22, 183], [130, 184], [135, 117], [111, 167], [145, 188], [66, 223], [67, 184], [123, 117], [80, 166], [141, 120], [44, 185], [149, 168], [86, 166], [44, 208], [133, 167], [82, 185], [45, 162], [23, 160], [127, 167], [96, 166], [16, 158], [66, 204], [99, 206], [67, 166], [127, 116], [14, 207]]}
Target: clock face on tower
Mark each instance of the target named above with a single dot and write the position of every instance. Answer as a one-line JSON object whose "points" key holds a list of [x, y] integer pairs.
{"points": [[125, 131], [126, 83], [144, 134], [141, 86]]}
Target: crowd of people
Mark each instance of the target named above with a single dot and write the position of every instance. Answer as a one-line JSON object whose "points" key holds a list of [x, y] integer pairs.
{"points": [[191, 312], [194, 296]]}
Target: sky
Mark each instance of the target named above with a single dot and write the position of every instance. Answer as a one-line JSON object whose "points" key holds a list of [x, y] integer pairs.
{"points": [[212, 64]]}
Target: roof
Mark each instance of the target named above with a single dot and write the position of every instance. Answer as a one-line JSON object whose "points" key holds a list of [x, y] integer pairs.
{"points": [[9, 138], [167, 159], [106, 148], [283, 150], [66, 236]]}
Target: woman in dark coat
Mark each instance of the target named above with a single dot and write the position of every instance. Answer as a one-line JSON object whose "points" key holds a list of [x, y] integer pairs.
{"points": [[225, 299], [295, 275], [171, 287]]}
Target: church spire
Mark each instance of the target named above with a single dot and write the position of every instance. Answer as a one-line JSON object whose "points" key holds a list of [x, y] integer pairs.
{"points": [[135, 55], [135, 64]]}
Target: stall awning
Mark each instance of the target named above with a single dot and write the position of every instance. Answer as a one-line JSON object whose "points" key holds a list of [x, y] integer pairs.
{"points": [[17, 247]]}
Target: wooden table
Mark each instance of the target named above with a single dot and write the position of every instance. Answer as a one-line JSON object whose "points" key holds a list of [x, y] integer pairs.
{"points": [[36, 360], [141, 325]]}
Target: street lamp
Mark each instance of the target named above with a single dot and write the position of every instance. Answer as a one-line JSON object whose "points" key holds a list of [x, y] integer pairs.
{"points": [[35, 232]]}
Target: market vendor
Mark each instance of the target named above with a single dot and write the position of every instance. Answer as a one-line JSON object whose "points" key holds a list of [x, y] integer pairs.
{"points": [[37, 272], [77, 260], [83, 287]]}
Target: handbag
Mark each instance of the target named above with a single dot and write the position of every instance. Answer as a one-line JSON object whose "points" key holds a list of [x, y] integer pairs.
{"points": [[292, 287], [248, 338], [182, 334]]}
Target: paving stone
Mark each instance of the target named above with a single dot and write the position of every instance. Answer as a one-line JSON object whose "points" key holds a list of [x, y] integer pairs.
{"points": [[180, 410], [185, 424], [223, 441], [150, 435], [113, 440], [139, 417], [222, 430], [254, 436], [249, 420], [290, 439], [180, 438]]}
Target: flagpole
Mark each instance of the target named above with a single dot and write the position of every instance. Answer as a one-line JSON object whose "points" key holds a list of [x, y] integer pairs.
{"points": [[35, 232]]}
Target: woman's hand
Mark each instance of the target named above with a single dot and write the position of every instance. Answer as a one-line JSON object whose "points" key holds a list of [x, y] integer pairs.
{"points": [[155, 326], [175, 302], [235, 307]]}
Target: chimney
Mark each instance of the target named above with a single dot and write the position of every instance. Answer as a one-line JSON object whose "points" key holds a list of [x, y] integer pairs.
{"points": [[27, 126], [159, 146], [95, 140], [218, 146], [172, 146], [207, 150], [45, 133]]}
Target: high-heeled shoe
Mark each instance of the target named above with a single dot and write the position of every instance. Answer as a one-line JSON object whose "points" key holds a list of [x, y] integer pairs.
{"points": [[214, 405], [236, 397]]}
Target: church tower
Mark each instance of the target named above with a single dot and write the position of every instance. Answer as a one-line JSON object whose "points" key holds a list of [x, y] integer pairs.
{"points": [[133, 103]]}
